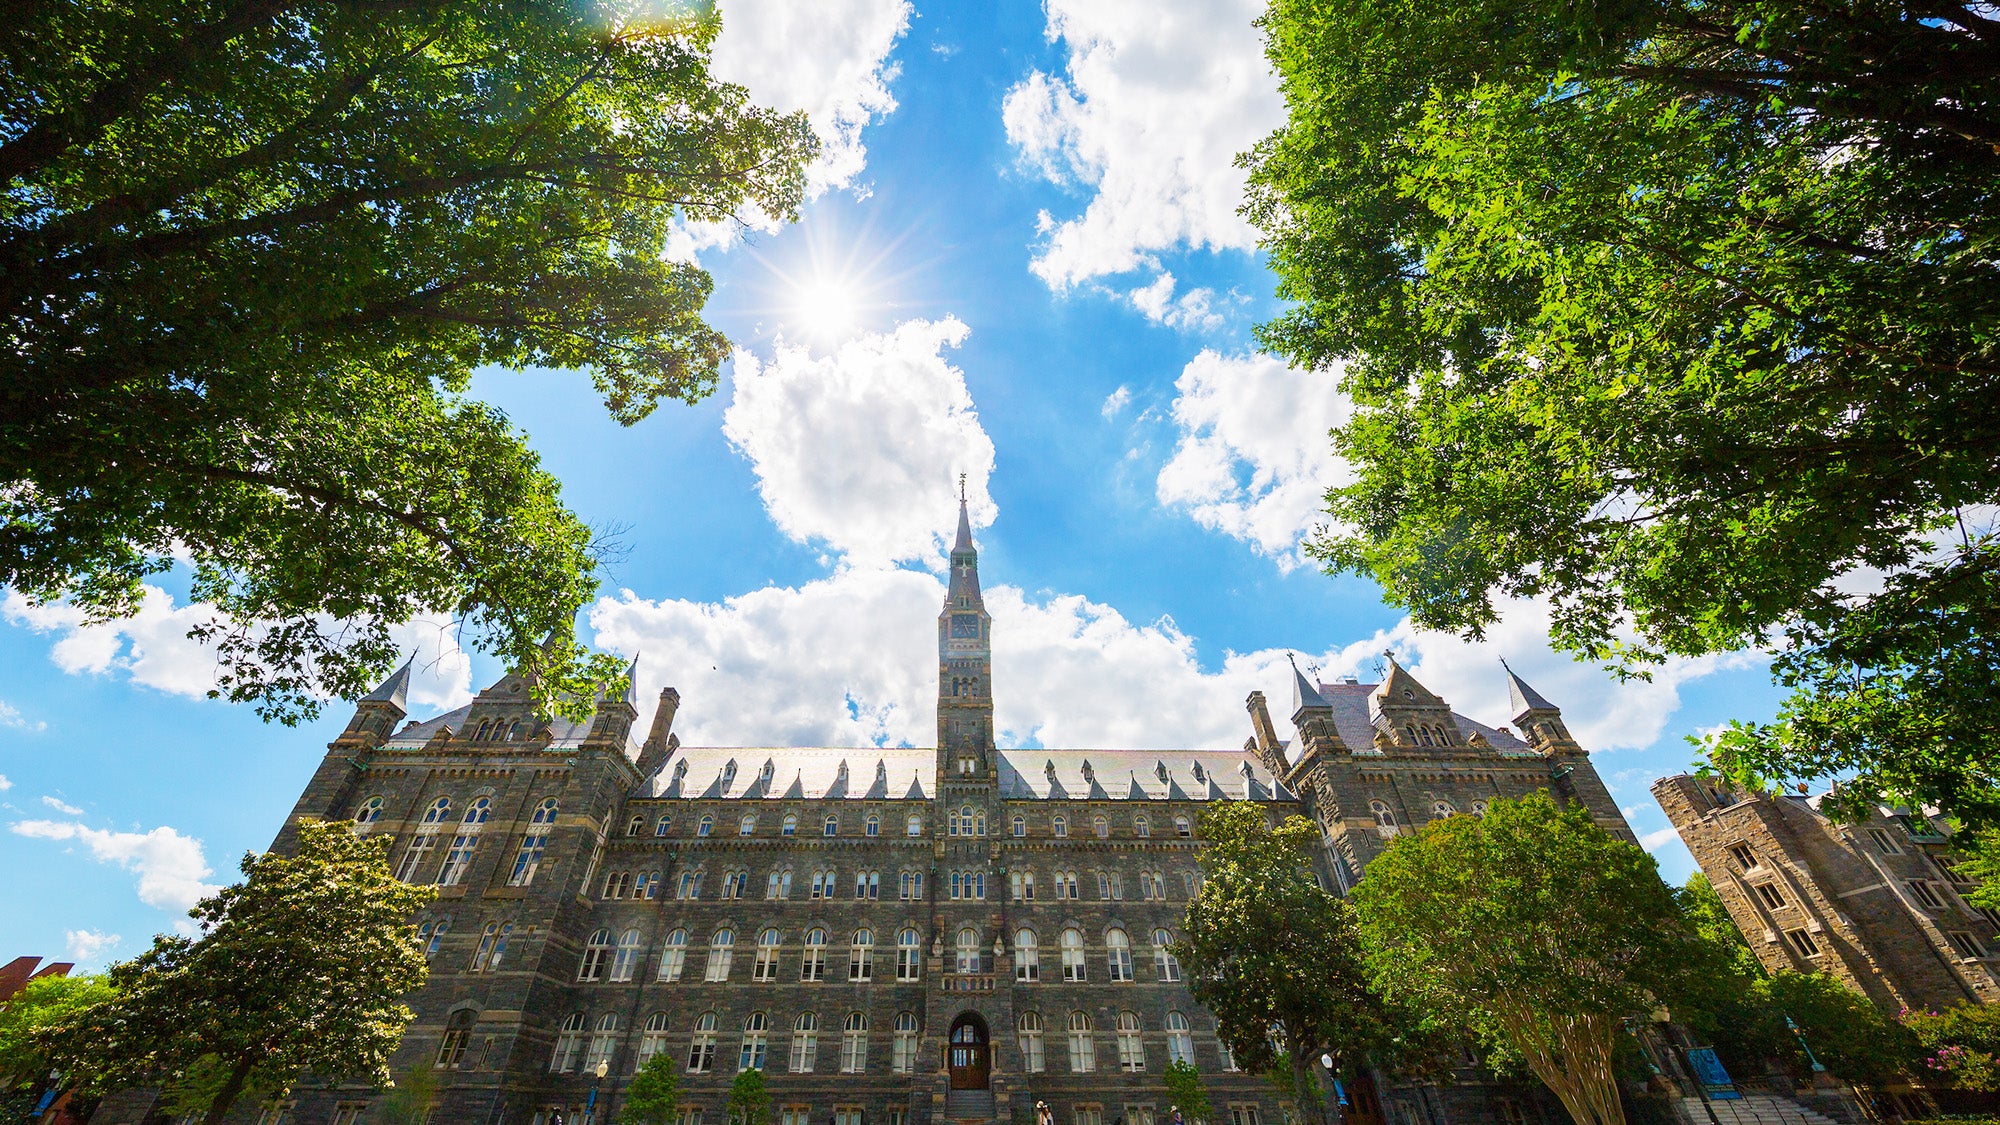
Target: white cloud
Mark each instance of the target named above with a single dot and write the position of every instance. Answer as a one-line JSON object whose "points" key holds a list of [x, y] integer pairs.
{"points": [[10, 716], [169, 865], [1254, 460], [1194, 309], [153, 649], [86, 945], [1654, 841], [861, 449], [850, 660], [59, 806], [1156, 104], [1116, 402], [5, 784]]}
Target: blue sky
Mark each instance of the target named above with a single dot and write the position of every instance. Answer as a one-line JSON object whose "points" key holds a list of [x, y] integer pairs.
{"points": [[1022, 263]]}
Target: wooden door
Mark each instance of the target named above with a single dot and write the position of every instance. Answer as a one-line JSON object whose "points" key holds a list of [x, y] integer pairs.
{"points": [[968, 1059]]}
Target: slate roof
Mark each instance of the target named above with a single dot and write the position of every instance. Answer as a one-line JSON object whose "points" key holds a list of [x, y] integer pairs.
{"points": [[1353, 717]]}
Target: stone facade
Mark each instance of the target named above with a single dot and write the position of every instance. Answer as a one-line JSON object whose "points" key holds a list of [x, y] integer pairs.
{"points": [[897, 936], [1876, 904]]}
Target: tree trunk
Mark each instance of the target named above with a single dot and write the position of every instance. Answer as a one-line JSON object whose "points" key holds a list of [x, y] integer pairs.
{"points": [[226, 1097], [1306, 1091]]}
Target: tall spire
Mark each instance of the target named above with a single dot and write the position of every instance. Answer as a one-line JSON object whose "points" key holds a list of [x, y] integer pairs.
{"points": [[1304, 692], [1525, 698], [965, 666], [395, 691], [964, 542]]}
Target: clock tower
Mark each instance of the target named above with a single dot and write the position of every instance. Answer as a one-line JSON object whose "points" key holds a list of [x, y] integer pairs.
{"points": [[965, 668]]}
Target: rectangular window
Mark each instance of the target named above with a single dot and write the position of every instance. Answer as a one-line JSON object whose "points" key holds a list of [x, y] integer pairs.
{"points": [[1244, 1115], [688, 1116], [1926, 896], [1138, 1115], [1744, 857], [347, 1115], [899, 1116], [1773, 898], [1884, 842], [1803, 943], [528, 859], [1965, 943], [847, 1115], [1991, 915], [795, 1115], [413, 859], [1089, 1115]]}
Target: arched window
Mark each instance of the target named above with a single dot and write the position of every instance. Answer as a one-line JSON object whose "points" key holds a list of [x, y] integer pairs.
{"points": [[617, 884], [1385, 818], [756, 1038], [515, 732], [1180, 1039], [366, 816], [430, 935], [874, 827], [805, 1043], [1131, 1047], [459, 858], [437, 813], [663, 826], [813, 966], [1027, 956], [909, 954], [790, 825], [492, 948], [823, 884], [779, 884], [596, 955], [1423, 735], [1142, 827], [602, 1043], [635, 825], [569, 1044], [968, 959], [646, 884], [721, 947], [854, 1044], [1118, 950], [457, 1034], [910, 885], [1082, 1051], [653, 1040], [485, 728], [701, 1049], [706, 826], [1072, 954], [1442, 810], [766, 965], [861, 962], [914, 826], [1022, 885], [1061, 826], [1165, 966], [830, 826], [1020, 826], [735, 882], [533, 843], [1101, 825], [1479, 808], [1029, 1028], [904, 1058], [868, 885], [1182, 827], [674, 957], [747, 826]]}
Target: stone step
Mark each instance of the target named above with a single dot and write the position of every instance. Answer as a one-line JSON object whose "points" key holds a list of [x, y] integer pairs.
{"points": [[968, 1105], [1755, 1109]]}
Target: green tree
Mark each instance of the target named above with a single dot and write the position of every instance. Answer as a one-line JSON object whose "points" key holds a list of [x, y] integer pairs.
{"points": [[1672, 313], [1962, 1043], [413, 1098], [41, 1004], [1185, 1092], [1276, 958], [302, 966], [654, 1096], [749, 1100], [1535, 928], [251, 252]]}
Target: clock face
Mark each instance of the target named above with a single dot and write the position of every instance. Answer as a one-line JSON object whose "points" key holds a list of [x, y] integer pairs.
{"points": [[965, 625]]}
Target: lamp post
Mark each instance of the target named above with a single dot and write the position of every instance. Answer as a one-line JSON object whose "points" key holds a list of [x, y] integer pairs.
{"points": [[1803, 1046], [602, 1068], [1333, 1095]]}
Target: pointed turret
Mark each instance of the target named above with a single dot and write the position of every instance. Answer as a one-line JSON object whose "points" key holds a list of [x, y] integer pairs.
{"points": [[1534, 716], [1305, 693], [377, 713], [1312, 716], [611, 723]]}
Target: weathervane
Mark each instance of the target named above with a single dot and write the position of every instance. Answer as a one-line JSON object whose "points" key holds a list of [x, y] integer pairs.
{"points": [[961, 488]]}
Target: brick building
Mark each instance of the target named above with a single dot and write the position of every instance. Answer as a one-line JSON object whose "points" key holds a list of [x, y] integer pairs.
{"points": [[1877, 904], [896, 936]]}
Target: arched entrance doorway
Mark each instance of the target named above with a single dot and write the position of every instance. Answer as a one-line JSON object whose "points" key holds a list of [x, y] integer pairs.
{"points": [[967, 1054]]}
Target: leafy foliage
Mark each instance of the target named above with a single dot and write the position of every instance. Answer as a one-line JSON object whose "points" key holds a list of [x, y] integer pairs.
{"points": [[41, 1004], [1962, 1042], [654, 1096], [413, 1099], [302, 966], [1673, 313], [749, 1099], [1273, 954], [1185, 1092], [251, 252], [1534, 927]]}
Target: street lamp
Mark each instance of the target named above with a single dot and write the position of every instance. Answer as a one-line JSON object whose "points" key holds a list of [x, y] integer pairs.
{"points": [[602, 1068], [1337, 1103], [1801, 1037]]}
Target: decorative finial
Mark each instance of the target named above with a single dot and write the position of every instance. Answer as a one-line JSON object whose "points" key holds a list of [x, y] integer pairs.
{"points": [[961, 488]]}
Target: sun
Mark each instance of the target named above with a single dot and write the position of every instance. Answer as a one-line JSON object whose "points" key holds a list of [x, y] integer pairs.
{"points": [[826, 308]]}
